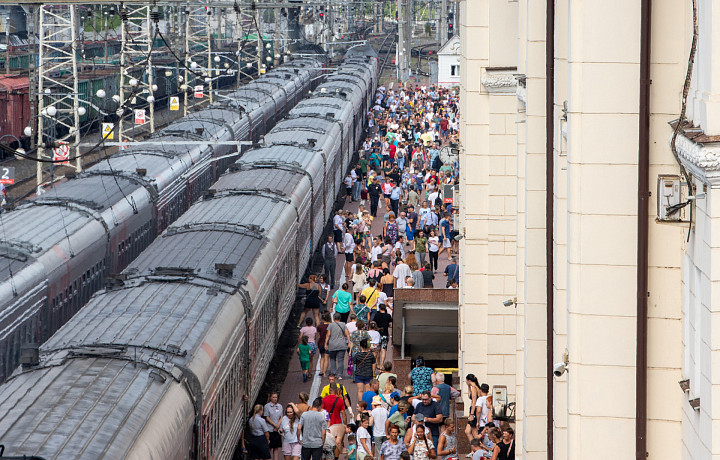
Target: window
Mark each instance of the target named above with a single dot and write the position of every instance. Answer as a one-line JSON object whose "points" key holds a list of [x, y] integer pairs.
{"points": [[455, 70]]}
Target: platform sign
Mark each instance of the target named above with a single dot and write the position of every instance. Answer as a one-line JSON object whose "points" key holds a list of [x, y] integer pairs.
{"points": [[61, 154], [140, 116], [108, 132], [174, 103], [199, 92], [7, 175]]}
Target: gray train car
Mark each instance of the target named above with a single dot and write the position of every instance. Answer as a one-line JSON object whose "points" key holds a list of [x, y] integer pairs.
{"points": [[157, 365], [58, 249]]}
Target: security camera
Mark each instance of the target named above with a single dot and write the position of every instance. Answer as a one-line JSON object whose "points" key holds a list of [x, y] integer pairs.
{"points": [[508, 303], [559, 369], [459, 237]]}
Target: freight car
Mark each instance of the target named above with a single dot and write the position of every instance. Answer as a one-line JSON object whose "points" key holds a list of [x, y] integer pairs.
{"points": [[157, 366], [57, 250]]}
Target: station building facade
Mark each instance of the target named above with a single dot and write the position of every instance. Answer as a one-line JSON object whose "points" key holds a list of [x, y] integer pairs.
{"points": [[565, 247]]}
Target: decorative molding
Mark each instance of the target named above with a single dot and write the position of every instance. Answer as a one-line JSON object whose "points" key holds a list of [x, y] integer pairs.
{"points": [[497, 82], [702, 160], [522, 95]]}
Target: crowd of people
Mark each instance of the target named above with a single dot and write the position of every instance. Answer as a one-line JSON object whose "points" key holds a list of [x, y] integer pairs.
{"points": [[385, 423], [399, 176]]}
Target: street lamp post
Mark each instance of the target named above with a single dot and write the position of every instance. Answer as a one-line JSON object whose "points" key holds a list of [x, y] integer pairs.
{"points": [[7, 45]]}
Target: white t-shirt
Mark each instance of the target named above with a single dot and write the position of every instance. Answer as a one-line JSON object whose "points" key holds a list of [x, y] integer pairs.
{"points": [[434, 243], [374, 337], [382, 298], [379, 415], [289, 435], [363, 433], [337, 222], [375, 253], [482, 404], [348, 243], [351, 327], [401, 272]]}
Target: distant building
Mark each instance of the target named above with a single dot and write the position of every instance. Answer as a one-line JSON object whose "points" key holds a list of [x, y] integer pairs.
{"points": [[449, 63]]}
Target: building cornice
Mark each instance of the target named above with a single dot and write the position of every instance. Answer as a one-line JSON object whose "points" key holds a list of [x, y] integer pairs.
{"points": [[702, 160], [499, 81]]}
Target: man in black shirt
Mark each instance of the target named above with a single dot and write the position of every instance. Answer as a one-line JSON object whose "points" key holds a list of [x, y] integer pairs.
{"points": [[374, 192], [384, 322]]}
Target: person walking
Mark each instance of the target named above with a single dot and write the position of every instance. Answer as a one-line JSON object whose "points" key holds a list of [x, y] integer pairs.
{"points": [[374, 190], [334, 405], [338, 227], [447, 445], [290, 436], [342, 302], [313, 427], [321, 340], [336, 342], [329, 255], [364, 362], [421, 448], [349, 249], [434, 247], [393, 447], [421, 377], [312, 299], [259, 435], [473, 393], [421, 247], [446, 393]]}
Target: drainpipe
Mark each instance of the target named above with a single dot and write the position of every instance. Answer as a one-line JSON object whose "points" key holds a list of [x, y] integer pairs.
{"points": [[642, 235], [550, 215]]}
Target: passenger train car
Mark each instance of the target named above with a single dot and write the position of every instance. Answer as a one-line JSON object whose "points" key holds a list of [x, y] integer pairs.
{"points": [[57, 249], [158, 364]]}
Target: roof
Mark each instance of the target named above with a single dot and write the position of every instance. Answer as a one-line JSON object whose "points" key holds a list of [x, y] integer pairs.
{"points": [[13, 82], [451, 47]]}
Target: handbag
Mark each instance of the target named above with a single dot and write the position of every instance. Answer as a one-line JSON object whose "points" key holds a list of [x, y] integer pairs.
{"points": [[350, 366]]}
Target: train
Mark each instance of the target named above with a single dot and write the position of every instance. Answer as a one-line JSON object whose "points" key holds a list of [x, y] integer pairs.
{"points": [[59, 248], [165, 363]]}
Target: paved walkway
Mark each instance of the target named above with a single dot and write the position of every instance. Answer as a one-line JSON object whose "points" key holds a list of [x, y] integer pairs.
{"points": [[293, 384]]}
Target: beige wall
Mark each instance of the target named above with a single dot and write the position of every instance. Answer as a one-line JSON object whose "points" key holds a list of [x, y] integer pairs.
{"points": [[595, 190], [489, 193]]}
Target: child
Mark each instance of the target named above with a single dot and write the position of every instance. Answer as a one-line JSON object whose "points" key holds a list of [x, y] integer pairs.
{"points": [[303, 351], [352, 448]]}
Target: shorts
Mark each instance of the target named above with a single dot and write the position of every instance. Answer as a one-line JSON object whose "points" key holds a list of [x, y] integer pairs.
{"points": [[313, 348], [379, 440], [384, 342], [292, 449], [446, 243], [349, 257], [337, 236], [322, 350], [365, 380], [387, 197], [304, 365]]}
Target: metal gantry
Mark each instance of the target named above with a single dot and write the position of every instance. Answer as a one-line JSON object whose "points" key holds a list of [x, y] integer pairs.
{"points": [[198, 57], [137, 88], [58, 102]]}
